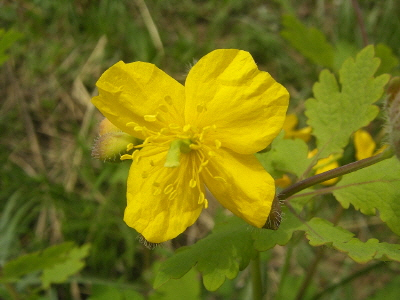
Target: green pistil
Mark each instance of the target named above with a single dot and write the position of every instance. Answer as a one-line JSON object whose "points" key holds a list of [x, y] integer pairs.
{"points": [[175, 149]]}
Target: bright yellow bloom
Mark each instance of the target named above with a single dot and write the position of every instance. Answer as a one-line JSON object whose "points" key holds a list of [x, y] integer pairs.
{"points": [[364, 144], [325, 164], [202, 134], [290, 125]]}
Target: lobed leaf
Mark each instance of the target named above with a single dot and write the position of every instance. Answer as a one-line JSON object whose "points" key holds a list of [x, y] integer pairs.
{"points": [[374, 188], [336, 112], [286, 155], [218, 256], [321, 232]]}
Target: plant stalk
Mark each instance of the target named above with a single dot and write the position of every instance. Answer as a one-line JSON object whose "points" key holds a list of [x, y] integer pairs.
{"points": [[256, 277], [349, 168]]}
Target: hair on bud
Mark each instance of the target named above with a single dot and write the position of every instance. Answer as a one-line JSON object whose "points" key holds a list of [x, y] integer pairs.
{"points": [[275, 216]]}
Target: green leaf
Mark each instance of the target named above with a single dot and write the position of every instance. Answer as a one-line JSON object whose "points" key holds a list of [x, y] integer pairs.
{"points": [[218, 256], [308, 41], [321, 232], [389, 60], [56, 263], [335, 113], [265, 239], [106, 292], [187, 287], [374, 188], [286, 155], [59, 272]]}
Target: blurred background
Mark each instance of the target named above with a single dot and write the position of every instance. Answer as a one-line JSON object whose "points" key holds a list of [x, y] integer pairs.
{"points": [[52, 190]]}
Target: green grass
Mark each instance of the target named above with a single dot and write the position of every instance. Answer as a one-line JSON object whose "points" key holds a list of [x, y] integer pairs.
{"points": [[52, 190]]}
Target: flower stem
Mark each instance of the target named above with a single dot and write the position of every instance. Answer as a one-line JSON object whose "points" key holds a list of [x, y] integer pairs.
{"points": [[256, 277], [352, 167]]}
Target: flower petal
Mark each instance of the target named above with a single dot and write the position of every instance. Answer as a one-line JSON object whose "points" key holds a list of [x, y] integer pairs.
{"points": [[248, 190], [226, 89], [153, 210], [129, 92]]}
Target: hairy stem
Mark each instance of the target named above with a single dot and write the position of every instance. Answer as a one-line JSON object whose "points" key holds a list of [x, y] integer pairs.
{"points": [[349, 168]]}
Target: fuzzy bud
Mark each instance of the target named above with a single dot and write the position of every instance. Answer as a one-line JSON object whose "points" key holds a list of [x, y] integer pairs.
{"points": [[393, 111], [112, 142]]}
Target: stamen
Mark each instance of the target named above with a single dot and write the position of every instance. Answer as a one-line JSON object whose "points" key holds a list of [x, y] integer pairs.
{"points": [[205, 203], [187, 127], [172, 195], [129, 147], [126, 156], [168, 189], [192, 183], [150, 118], [217, 144], [157, 192], [201, 198], [131, 124], [145, 174]]}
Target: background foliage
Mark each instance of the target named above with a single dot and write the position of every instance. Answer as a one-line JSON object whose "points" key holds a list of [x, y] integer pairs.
{"points": [[53, 193]]}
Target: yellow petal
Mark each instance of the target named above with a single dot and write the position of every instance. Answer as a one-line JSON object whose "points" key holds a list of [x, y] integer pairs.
{"points": [[364, 144], [283, 182], [247, 189], [157, 208], [247, 106], [139, 93]]}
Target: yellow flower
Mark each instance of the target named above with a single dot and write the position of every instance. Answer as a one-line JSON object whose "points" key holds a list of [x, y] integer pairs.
{"points": [[325, 164], [290, 125], [202, 134]]}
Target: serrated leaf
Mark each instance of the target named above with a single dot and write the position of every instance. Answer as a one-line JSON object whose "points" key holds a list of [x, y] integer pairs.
{"points": [[374, 188], [59, 272], [286, 155], [310, 42], [218, 256], [321, 232], [335, 113]]}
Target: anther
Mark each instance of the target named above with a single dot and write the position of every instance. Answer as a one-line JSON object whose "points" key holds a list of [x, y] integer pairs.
{"points": [[172, 195], [126, 156], [150, 118], [129, 147], [192, 183], [187, 127], [217, 144], [168, 189], [131, 124]]}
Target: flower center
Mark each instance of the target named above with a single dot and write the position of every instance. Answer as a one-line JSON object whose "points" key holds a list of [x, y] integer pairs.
{"points": [[177, 141]]}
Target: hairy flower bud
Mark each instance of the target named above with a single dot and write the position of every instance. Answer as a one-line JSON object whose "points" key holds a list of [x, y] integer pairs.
{"points": [[112, 142], [393, 111]]}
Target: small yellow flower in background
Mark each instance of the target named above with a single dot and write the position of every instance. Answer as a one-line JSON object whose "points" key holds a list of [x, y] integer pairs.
{"points": [[283, 181], [325, 164], [202, 134], [290, 125], [364, 144]]}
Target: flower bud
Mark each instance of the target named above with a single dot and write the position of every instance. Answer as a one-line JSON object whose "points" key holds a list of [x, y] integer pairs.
{"points": [[393, 111], [112, 142]]}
